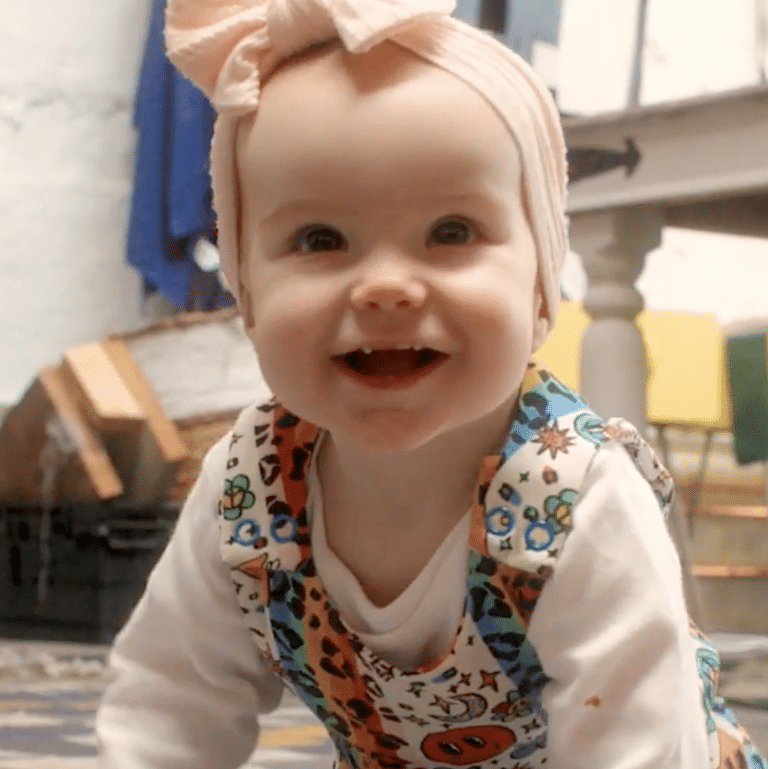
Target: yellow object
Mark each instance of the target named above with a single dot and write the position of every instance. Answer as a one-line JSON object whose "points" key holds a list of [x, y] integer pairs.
{"points": [[293, 736], [561, 352], [686, 369], [686, 364]]}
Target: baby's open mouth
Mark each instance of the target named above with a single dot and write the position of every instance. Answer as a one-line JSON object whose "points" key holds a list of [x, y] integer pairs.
{"points": [[390, 363]]}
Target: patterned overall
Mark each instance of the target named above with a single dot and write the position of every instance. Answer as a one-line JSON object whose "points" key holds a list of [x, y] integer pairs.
{"points": [[480, 702]]}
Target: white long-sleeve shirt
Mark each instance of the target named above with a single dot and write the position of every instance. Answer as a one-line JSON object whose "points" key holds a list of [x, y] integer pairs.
{"points": [[610, 629]]}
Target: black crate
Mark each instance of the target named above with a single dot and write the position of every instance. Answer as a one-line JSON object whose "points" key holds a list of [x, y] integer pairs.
{"points": [[98, 563]]}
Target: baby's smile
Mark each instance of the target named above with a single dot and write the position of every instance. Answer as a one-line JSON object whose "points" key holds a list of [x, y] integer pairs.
{"points": [[401, 365]]}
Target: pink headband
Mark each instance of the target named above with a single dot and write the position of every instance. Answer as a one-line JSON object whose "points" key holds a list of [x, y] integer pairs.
{"points": [[230, 47]]}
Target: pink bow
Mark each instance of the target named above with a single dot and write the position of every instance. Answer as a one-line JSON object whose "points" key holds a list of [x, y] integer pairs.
{"points": [[228, 46]]}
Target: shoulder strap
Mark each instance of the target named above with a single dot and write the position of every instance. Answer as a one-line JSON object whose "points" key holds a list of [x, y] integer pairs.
{"points": [[645, 459], [263, 514], [519, 530]]}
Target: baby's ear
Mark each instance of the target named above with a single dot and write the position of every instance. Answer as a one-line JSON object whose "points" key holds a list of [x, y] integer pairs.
{"points": [[540, 319]]}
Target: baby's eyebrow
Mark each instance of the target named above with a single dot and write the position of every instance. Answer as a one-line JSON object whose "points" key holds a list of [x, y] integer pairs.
{"points": [[490, 205], [485, 199], [486, 203], [300, 209]]}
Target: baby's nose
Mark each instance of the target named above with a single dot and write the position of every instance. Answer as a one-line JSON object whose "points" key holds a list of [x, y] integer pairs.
{"points": [[388, 293]]}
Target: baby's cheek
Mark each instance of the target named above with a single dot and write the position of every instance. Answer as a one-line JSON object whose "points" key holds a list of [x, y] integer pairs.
{"points": [[285, 339], [272, 343], [500, 315]]}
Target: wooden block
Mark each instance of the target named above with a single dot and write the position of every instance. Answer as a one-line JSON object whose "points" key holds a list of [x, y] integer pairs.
{"points": [[147, 458], [169, 441], [86, 474], [99, 390]]}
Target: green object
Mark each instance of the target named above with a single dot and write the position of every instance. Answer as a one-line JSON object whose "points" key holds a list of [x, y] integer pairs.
{"points": [[748, 378]]}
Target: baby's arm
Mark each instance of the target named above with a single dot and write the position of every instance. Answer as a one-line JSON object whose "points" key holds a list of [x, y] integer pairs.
{"points": [[189, 680], [611, 630]]}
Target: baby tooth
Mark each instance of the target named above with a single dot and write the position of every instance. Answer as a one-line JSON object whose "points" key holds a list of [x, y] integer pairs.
{"points": [[367, 350]]}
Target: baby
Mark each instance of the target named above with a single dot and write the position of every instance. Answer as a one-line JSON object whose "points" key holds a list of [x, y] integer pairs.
{"points": [[437, 546]]}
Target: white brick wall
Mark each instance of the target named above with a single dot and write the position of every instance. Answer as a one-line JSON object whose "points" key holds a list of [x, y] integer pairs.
{"points": [[68, 73]]}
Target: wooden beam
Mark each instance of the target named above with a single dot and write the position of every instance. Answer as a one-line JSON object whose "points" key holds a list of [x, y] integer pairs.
{"points": [[99, 390], [735, 572], [89, 448], [148, 458], [169, 441], [744, 215], [734, 511], [706, 148], [86, 474]]}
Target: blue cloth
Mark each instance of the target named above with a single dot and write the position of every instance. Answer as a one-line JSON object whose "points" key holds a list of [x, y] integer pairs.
{"points": [[171, 203]]}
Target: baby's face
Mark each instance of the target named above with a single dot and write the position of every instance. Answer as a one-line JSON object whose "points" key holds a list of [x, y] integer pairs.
{"points": [[390, 268]]}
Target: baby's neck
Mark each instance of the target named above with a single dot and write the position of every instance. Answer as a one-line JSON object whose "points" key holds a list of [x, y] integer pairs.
{"points": [[392, 485], [387, 512]]}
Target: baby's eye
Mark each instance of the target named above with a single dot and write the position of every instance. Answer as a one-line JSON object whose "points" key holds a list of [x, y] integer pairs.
{"points": [[452, 231], [318, 237]]}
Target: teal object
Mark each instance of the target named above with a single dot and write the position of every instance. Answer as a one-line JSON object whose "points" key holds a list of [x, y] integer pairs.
{"points": [[748, 379]]}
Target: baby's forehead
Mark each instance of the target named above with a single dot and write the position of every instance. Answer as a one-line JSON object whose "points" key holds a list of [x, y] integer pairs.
{"points": [[367, 126], [325, 93]]}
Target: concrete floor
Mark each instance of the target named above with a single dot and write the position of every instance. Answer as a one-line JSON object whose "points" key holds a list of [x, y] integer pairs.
{"points": [[51, 726], [48, 705]]}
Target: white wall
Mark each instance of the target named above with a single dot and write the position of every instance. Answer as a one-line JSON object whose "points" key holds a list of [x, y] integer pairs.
{"points": [[700, 46], [595, 59], [68, 72], [690, 47]]}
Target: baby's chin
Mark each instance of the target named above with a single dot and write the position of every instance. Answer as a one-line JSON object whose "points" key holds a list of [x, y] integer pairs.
{"points": [[385, 433], [390, 433], [371, 431]]}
